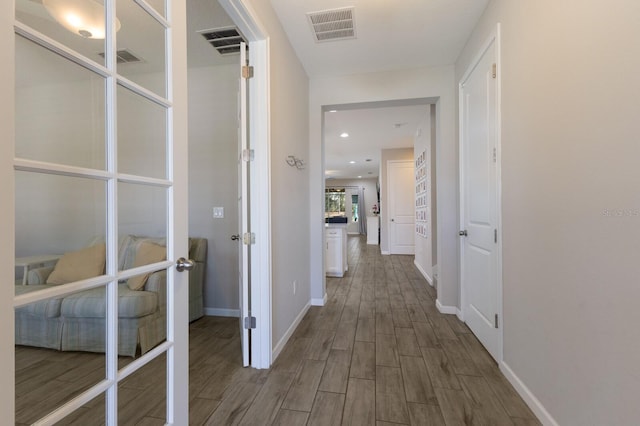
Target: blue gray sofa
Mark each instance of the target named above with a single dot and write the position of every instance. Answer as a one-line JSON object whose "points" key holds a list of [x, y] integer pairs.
{"points": [[76, 322]]}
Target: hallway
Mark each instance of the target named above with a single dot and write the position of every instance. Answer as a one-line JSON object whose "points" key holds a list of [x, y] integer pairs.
{"points": [[379, 352]]}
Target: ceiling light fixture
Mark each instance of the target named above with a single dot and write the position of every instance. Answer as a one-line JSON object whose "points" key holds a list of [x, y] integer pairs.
{"points": [[82, 17], [344, 135], [352, 162]]}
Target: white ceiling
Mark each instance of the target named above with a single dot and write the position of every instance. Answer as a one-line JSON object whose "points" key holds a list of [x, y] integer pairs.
{"points": [[390, 35], [370, 130]]}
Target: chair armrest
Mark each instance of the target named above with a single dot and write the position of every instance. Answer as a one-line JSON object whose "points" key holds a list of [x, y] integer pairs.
{"points": [[39, 275], [157, 283]]}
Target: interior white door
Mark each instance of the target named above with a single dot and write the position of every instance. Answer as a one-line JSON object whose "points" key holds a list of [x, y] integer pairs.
{"points": [[244, 162], [110, 152], [479, 202], [401, 190]]}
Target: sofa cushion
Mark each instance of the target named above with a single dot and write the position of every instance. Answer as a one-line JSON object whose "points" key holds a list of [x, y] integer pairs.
{"points": [[49, 308], [79, 265], [147, 253], [92, 303]]}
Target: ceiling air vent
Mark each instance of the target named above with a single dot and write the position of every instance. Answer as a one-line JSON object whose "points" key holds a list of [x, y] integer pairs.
{"points": [[125, 56], [225, 40], [335, 24]]}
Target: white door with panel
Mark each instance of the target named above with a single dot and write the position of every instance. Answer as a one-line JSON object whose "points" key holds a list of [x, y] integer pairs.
{"points": [[479, 200], [245, 236], [401, 216], [100, 177]]}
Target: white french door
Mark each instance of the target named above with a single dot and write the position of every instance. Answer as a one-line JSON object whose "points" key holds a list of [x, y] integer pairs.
{"points": [[479, 200], [98, 170]]}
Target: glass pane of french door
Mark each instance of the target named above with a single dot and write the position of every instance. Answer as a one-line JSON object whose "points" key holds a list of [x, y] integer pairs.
{"points": [[92, 185]]}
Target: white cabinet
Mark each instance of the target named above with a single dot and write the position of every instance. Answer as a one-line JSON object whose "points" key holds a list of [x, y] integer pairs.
{"points": [[335, 251]]}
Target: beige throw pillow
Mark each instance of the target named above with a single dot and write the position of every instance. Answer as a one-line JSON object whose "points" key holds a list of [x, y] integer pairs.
{"points": [[79, 265], [146, 254]]}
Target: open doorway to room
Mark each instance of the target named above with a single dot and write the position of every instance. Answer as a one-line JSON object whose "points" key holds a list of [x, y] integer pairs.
{"points": [[361, 142]]}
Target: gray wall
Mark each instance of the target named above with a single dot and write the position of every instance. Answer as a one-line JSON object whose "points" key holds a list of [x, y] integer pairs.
{"points": [[289, 120], [213, 179], [424, 244], [571, 213]]}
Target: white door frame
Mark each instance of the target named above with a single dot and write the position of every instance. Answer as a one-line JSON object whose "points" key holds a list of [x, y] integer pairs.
{"points": [[260, 206], [493, 38]]}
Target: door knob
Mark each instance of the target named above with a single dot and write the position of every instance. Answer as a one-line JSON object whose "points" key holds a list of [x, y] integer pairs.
{"points": [[235, 237], [463, 233], [393, 220], [183, 264]]}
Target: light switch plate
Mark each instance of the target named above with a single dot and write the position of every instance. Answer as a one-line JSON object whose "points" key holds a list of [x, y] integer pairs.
{"points": [[218, 212]]}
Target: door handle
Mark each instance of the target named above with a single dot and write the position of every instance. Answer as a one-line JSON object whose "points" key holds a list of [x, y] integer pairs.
{"points": [[183, 264], [393, 220], [235, 237], [463, 233]]}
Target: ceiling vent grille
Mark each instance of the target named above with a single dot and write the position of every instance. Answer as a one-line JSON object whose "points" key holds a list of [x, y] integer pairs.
{"points": [[225, 40], [335, 24], [125, 56]]}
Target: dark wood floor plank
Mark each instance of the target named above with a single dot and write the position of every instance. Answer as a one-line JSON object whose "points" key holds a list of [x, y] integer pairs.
{"points": [[440, 372], [391, 405], [303, 389], [327, 409], [387, 350], [360, 403], [363, 361], [425, 415], [417, 384], [336, 372]]}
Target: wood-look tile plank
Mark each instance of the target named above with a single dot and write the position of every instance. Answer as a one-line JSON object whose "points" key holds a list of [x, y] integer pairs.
{"points": [[234, 406], [321, 345], [486, 405], [425, 335], [336, 372], [441, 328], [303, 389], [327, 409], [363, 361], [456, 407], [384, 323], [292, 355], [391, 404], [401, 317], [440, 372], [407, 343], [387, 350], [456, 325], [290, 418], [416, 313], [459, 359], [345, 335], [267, 402], [360, 403], [200, 409], [417, 384], [425, 415], [366, 330]]}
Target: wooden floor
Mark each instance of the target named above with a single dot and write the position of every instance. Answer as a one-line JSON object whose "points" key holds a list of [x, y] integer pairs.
{"points": [[379, 353]]}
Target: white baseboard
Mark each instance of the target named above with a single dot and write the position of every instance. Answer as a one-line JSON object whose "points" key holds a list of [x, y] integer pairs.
{"points": [[529, 398], [220, 312], [320, 302], [278, 348], [385, 252], [424, 274], [451, 310]]}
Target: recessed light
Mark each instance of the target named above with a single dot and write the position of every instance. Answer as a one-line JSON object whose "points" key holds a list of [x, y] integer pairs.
{"points": [[333, 110], [352, 162], [359, 177], [344, 135]]}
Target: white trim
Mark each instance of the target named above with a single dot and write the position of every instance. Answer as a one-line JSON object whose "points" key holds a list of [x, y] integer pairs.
{"points": [[384, 252], [222, 312], [320, 302], [494, 38], [450, 310], [529, 398], [243, 15], [281, 344], [424, 274]]}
